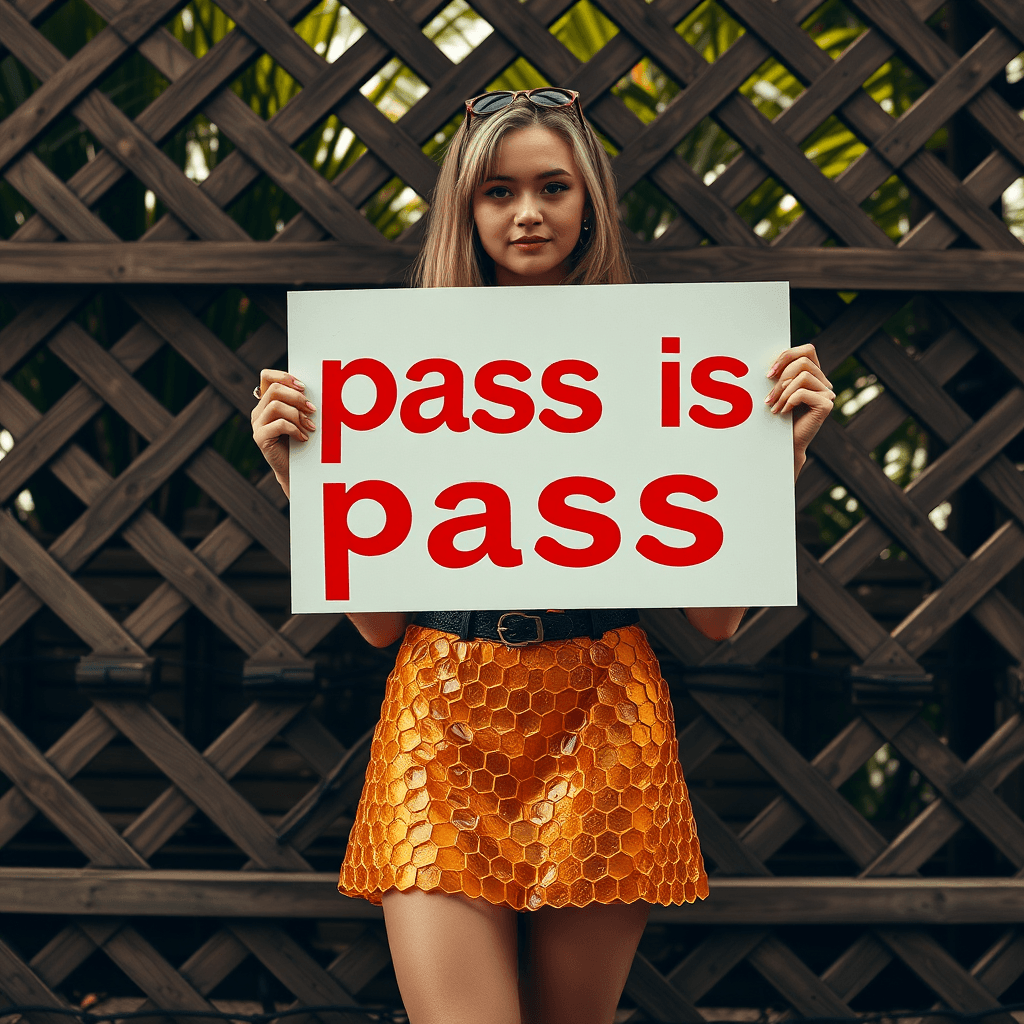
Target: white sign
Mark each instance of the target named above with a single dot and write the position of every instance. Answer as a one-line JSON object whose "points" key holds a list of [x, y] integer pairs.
{"points": [[552, 447]]}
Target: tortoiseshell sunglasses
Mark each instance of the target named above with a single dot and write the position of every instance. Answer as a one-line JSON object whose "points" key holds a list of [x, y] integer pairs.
{"points": [[548, 96]]}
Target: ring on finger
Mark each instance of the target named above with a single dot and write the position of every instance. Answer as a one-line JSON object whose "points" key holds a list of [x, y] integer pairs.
{"points": [[256, 393]]}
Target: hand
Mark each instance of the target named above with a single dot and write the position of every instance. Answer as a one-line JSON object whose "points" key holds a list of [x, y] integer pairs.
{"points": [[282, 412], [802, 388]]}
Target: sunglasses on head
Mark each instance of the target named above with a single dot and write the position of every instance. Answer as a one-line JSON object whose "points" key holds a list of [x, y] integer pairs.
{"points": [[545, 97]]}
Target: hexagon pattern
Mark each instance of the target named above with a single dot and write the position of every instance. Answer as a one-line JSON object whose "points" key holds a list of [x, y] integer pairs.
{"points": [[529, 776]]}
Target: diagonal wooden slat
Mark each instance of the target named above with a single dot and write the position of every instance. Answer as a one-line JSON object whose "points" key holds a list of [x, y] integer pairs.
{"points": [[41, 783], [937, 969], [960, 786], [786, 972], [200, 782]]}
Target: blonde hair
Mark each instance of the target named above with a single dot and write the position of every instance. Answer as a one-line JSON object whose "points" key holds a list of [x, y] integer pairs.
{"points": [[452, 255]]}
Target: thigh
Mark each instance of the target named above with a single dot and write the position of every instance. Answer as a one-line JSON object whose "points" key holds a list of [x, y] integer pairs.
{"points": [[578, 961], [454, 957]]}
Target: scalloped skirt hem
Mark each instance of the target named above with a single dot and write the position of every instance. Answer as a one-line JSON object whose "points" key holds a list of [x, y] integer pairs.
{"points": [[376, 898]]}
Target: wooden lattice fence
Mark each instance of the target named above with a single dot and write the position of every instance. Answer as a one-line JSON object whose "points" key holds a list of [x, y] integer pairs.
{"points": [[959, 261]]}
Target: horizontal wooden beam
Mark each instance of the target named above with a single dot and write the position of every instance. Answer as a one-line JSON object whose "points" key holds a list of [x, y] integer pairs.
{"points": [[733, 901], [297, 264]]}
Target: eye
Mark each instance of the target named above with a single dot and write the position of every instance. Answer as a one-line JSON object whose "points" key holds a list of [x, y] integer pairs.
{"points": [[499, 192], [552, 188]]}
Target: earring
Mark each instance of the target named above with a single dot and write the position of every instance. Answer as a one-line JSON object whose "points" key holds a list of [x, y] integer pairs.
{"points": [[585, 225]]}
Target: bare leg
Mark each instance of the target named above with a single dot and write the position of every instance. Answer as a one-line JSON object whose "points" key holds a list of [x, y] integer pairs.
{"points": [[454, 957], [579, 958]]}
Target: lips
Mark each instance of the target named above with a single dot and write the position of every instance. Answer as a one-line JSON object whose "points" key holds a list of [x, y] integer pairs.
{"points": [[529, 241]]}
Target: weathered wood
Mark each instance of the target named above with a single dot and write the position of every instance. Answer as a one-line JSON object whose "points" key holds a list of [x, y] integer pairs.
{"points": [[659, 1000], [937, 969], [40, 783], [797, 982], [300, 263], [261, 894], [329, 242], [200, 782]]}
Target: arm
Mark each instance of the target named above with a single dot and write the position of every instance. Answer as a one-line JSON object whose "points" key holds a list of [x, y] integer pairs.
{"points": [[283, 411], [715, 623], [801, 388]]}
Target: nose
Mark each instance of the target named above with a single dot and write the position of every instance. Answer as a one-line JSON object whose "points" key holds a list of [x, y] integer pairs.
{"points": [[528, 210]]}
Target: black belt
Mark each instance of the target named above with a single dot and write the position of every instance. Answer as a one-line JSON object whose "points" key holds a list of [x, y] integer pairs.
{"points": [[517, 629]]}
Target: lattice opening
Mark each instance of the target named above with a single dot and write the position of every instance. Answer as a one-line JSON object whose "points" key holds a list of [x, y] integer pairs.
{"points": [[199, 27], [110, 441], [887, 788], [520, 74], [330, 147], [584, 30], [394, 89], [758, 207], [647, 211], [710, 30], [980, 384], [133, 84], [394, 208], [735, 787], [15, 210], [267, 86], [171, 379], [1013, 207], [709, 149], [832, 147], [772, 88], [838, 512], [330, 29], [70, 26], [99, 981], [197, 148], [895, 86], [918, 324], [265, 209], [743, 994], [66, 146], [457, 31], [834, 27], [232, 316], [119, 781], [646, 90], [895, 207]]}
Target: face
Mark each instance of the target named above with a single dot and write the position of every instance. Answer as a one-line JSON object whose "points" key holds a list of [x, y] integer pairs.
{"points": [[529, 212]]}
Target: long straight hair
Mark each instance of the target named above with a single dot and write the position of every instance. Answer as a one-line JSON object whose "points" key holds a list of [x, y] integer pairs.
{"points": [[452, 255]]}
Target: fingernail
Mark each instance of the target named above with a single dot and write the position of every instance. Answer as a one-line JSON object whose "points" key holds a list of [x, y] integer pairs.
{"points": [[771, 372], [298, 383], [303, 436], [311, 407], [309, 425], [768, 398]]}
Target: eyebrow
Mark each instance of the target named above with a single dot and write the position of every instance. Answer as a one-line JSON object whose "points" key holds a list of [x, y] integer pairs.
{"points": [[553, 173]]}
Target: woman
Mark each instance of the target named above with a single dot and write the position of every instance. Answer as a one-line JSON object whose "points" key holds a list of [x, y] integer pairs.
{"points": [[543, 777]]}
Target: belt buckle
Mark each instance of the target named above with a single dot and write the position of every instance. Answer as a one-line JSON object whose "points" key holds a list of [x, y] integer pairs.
{"points": [[503, 626]]}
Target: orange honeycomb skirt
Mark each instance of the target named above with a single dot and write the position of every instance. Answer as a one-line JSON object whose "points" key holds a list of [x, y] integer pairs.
{"points": [[535, 776]]}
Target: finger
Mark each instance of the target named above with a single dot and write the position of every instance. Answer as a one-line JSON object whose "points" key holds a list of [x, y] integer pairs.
{"points": [[792, 375], [818, 401], [803, 365], [268, 433], [277, 410], [268, 377], [280, 392], [803, 381], [788, 355]]}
